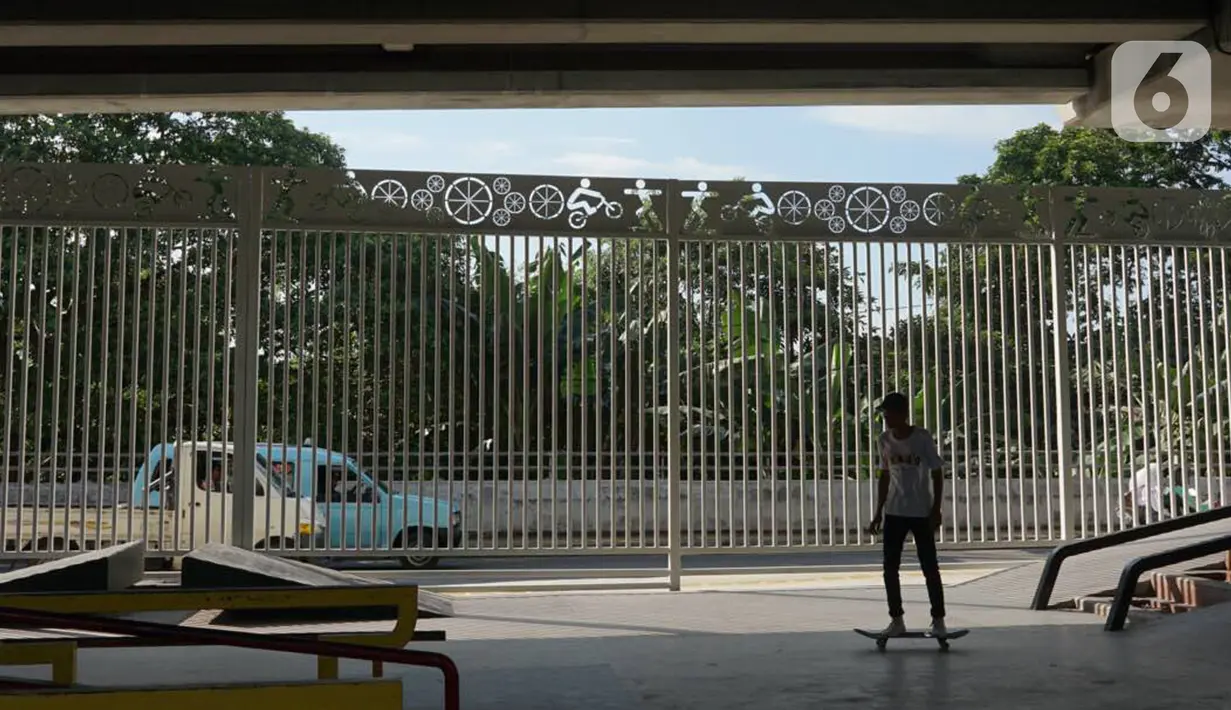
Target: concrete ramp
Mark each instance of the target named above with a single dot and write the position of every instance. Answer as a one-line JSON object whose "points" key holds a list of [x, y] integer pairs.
{"points": [[216, 566], [1084, 575], [108, 569]]}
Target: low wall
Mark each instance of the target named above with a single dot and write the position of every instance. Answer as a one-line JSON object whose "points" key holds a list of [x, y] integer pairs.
{"points": [[722, 507], [715, 508]]}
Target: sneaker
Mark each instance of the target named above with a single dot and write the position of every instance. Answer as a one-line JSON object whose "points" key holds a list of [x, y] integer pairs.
{"points": [[938, 628], [896, 627]]}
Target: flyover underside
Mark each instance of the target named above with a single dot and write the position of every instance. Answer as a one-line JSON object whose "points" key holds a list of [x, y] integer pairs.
{"points": [[228, 55], [297, 77]]}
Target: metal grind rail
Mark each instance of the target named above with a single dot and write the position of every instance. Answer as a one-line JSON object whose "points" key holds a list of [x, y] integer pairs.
{"points": [[23, 618], [1133, 571], [1051, 568]]}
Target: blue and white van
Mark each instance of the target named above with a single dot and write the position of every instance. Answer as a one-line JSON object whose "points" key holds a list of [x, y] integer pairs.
{"points": [[361, 513]]}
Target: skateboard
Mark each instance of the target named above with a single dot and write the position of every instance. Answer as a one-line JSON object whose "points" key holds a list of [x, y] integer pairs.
{"points": [[882, 641]]}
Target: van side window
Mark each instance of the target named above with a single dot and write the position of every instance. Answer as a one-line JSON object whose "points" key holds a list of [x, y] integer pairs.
{"points": [[282, 474], [321, 488], [210, 474], [162, 469], [335, 484], [162, 480]]}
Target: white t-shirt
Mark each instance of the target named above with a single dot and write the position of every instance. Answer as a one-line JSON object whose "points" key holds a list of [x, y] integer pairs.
{"points": [[910, 463]]}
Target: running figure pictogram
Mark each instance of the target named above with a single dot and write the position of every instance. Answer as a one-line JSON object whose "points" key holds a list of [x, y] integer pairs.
{"points": [[647, 218]]}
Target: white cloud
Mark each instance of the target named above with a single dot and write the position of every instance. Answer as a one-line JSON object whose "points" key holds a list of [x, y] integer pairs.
{"points": [[616, 165], [586, 155], [492, 148], [600, 142], [388, 140], [966, 123]]}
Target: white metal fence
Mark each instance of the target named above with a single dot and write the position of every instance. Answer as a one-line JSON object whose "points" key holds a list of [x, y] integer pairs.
{"points": [[513, 364]]}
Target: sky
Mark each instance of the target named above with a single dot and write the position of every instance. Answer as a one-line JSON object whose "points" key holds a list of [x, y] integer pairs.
{"points": [[878, 144], [919, 144]]}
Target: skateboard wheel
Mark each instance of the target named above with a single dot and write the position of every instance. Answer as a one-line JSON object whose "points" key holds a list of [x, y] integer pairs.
{"points": [[880, 645], [944, 646]]}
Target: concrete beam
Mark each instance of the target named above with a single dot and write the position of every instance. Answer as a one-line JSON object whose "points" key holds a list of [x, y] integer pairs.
{"points": [[601, 10], [21, 94], [1093, 107], [218, 34]]}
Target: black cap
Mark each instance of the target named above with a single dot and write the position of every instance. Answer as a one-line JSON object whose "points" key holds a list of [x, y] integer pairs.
{"points": [[894, 402]]}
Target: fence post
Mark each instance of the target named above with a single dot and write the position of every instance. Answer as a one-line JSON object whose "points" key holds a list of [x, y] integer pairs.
{"points": [[247, 279], [1060, 337], [674, 552]]}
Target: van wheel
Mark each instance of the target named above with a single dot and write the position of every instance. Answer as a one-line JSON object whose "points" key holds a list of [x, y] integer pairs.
{"points": [[410, 538]]}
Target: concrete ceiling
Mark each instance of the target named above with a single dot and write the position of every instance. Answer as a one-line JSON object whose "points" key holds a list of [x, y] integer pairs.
{"points": [[226, 55]]}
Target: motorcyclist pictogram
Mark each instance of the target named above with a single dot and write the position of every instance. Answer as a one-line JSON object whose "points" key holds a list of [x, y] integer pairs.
{"points": [[756, 206], [585, 202]]}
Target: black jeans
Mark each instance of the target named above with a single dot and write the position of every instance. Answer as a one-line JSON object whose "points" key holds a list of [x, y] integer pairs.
{"points": [[895, 529]]}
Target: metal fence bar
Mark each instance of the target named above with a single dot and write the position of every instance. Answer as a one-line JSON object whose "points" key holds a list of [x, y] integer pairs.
{"points": [[673, 403], [1069, 521]]}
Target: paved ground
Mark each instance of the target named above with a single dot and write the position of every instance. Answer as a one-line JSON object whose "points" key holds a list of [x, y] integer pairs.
{"points": [[765, 647], [477, 570]]}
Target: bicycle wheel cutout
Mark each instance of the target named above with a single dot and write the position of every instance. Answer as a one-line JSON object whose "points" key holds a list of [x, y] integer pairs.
{"points": [[469, 200], [110, 191], [546, 201], [515, 203], [422, 200], [909, 210], [27, 189], [794, 207], [435, 183], [390, 192], [938, 208], [867, 209], [837, 193], [501, 185], [824, 210]]}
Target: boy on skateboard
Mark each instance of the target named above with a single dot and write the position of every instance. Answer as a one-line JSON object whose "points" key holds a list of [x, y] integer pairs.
{"points": [[908, 500]]}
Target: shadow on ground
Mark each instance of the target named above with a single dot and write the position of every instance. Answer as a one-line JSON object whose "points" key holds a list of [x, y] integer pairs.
{"points": [[1176, 662]]}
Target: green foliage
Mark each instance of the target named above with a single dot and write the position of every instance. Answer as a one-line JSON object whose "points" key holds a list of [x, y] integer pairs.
{"points": [[250, 139], [131, 328], [1087, 157], [1146, 297]]}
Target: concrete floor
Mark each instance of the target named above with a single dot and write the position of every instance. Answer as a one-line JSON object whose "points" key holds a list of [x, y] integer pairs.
{"points": [[762, 647]]}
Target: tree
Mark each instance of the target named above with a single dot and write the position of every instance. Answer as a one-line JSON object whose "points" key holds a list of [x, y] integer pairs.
{"points": [[114, 337], [259, 139], [1125, 342]]}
